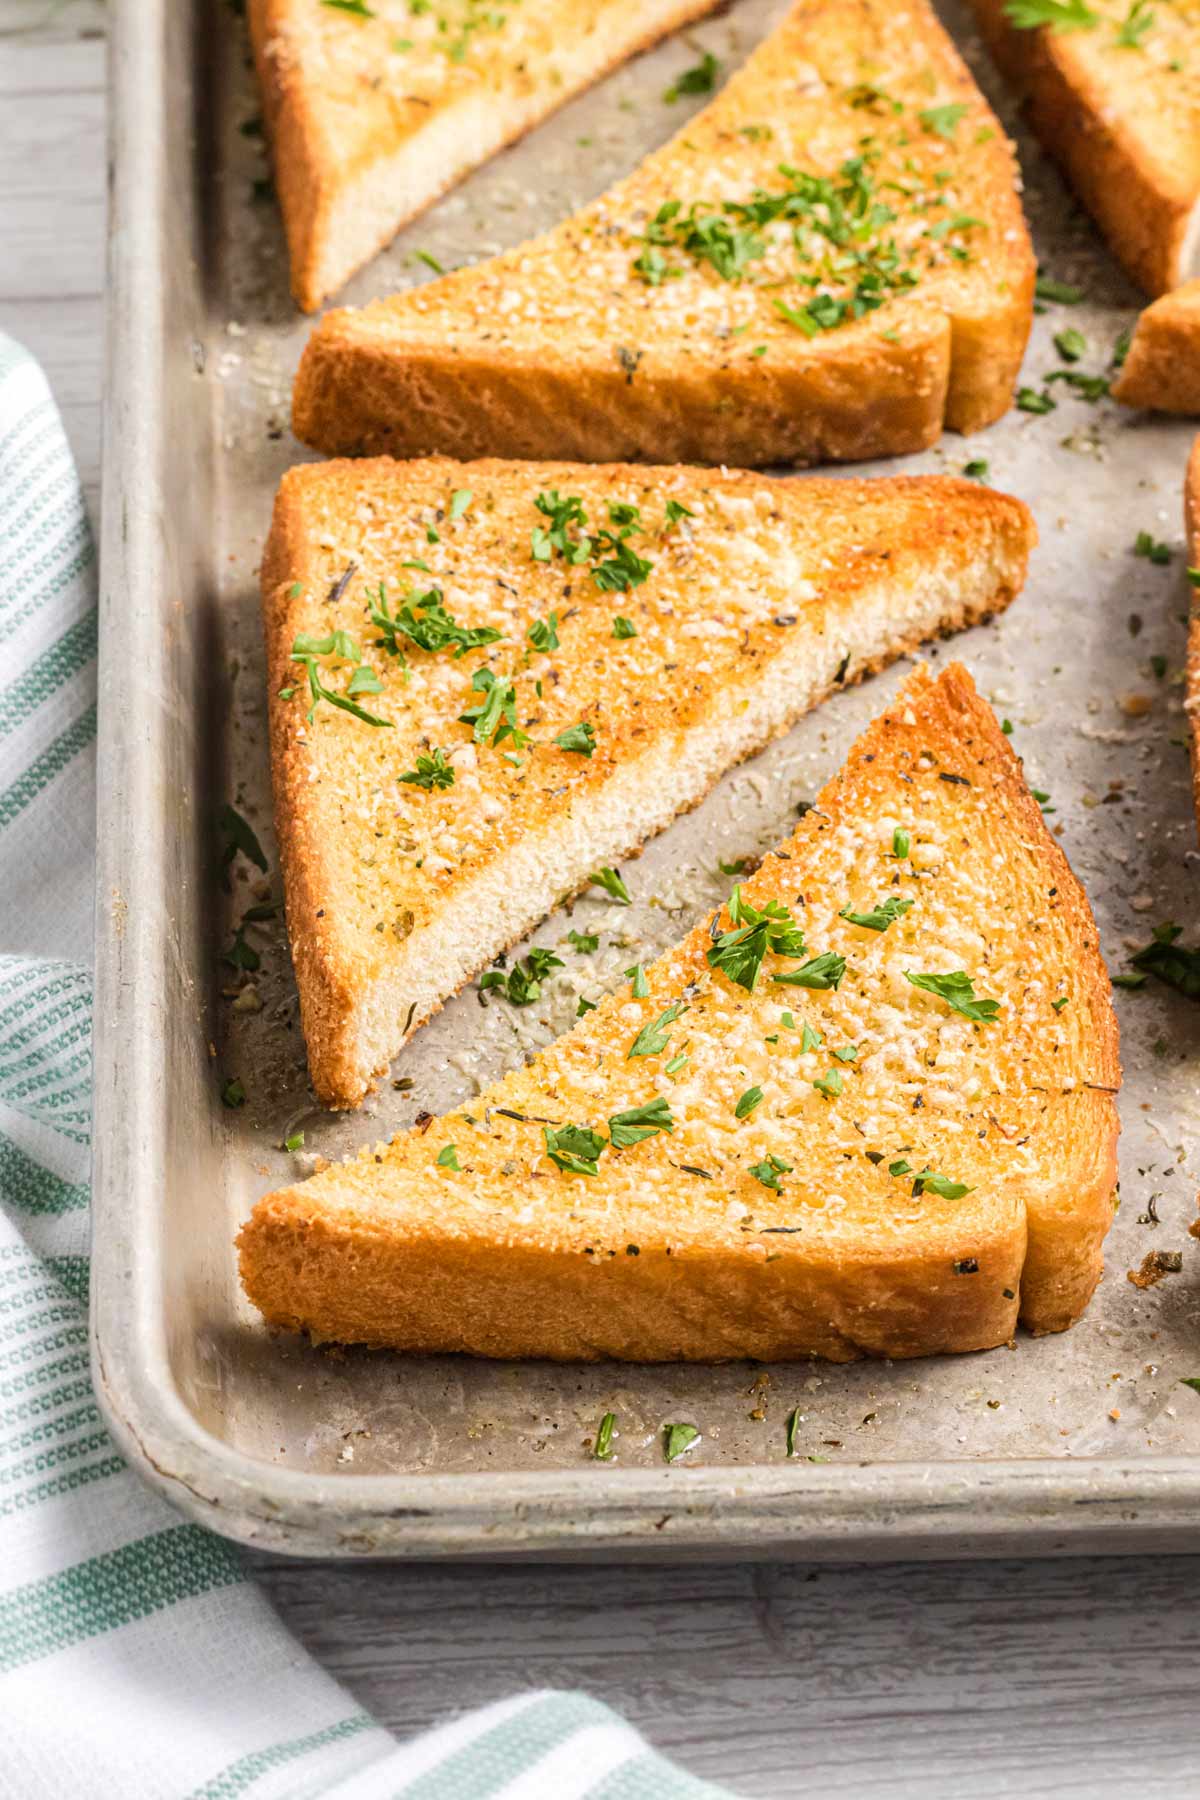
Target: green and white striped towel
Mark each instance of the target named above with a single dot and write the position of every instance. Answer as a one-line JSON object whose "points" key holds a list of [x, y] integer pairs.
{"points": [[136, 1658]]}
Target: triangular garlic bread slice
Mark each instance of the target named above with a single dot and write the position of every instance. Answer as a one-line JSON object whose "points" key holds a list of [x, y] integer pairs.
{"points": [[374, 109], [1112, 89], [490, 680], [828, 263], [866, 1109], [1161, 370]]}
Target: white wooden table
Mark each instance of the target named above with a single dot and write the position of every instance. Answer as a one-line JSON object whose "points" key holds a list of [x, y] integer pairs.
{"points": [[1069, 1679]]}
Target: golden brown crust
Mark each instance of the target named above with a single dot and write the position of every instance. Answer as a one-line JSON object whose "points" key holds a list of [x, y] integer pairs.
{"points": [[794, 587], [335, 125], [560, 349], [1162, 368], [1191, 513], [675, 1249], [1124, 125]]}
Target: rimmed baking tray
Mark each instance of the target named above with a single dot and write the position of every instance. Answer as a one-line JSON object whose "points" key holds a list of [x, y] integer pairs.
{"points": [[1082, 1442]]}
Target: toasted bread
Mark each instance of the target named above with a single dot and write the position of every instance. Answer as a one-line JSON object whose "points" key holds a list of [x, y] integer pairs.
{"points": [[828, 263], [758, 599], [804, 1154], [1162, 366], [372, 115], [1191, 510], [1117, 103]]}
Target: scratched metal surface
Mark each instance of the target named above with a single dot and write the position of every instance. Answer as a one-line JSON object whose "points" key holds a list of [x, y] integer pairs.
{"points": [[1086, 665]]}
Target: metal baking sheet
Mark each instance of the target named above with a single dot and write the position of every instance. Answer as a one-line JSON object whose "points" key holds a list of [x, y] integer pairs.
{"points": [[1077, 1442]]}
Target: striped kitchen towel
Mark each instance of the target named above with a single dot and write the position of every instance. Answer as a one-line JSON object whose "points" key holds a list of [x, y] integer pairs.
{"points": [[136, 1658]]}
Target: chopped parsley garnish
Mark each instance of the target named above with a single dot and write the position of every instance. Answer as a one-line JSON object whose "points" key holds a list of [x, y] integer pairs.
{"points": [[239, 835], [1168, 961], [581, 739], [1089, 387], [676, 1063], [836, 225], [294, 1141], [495, 717], [338, 644], [927, 1180], [749, 1100], [583, 942], [676, 510], [1190, 1381], [460, 500], [610, 881], [1070, 344], [943, 121], [1059, 15], [422, 619], [432, 771], [637, 978], [739, 953], [640, 1122], [616, 566], [233, 1094], [824, 971], [623, 627], [978, 469], [700, 79], [737, 867], [423, 256], [1030, 401], [847, 1054], [677, 1439], [1064, 1000], [770, 1172], [652, 1039], [522, 984], [879, 917], [901, 843], [583, 1006], [1146, 545], [359, 8], [1061, 292], [958, 991], [240, 954], [543, 633], [603, 1449], [1135, 25], [576, 1149], [447, 1158], [810, 1038], [793, 1422], [830, 1084]]}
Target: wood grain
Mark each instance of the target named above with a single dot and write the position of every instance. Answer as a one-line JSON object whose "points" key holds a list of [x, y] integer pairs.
{"points": [[1069, 1679]]}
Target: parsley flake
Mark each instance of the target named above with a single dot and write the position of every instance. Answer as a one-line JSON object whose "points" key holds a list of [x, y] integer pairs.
{"points": [[447, 1158], [432, 771], [958, 991], [739, 953], [652, 1039], [700, 79], [640, 1122], [575, 1149], [603, 1449], [677, 1439], [581, 739], [943, 121], [749, 1100], [623, 627], [770, 1172], [610, 881], [879, 917]]}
